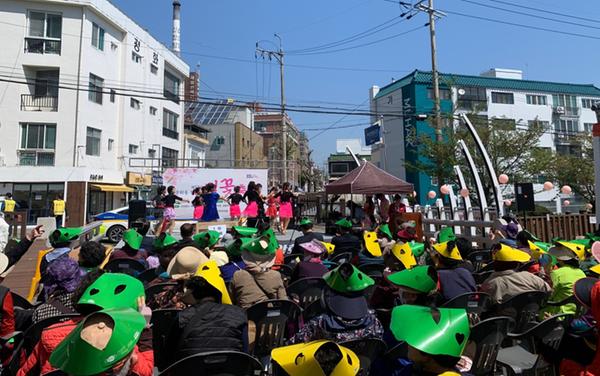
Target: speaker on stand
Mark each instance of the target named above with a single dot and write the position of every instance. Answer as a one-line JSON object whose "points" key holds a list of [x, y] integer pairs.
{"points": [[525, 198]]}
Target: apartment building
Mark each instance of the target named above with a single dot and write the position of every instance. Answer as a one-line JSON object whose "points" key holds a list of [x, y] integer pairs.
{"points": [[498, 94], [85, 89]]}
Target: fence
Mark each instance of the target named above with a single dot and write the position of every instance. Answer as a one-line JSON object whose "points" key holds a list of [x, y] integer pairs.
{"points": [[564, 226]]}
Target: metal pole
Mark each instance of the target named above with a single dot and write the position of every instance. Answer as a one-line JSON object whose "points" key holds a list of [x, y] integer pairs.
{"points": [[596, 145], [283, 123], [384, 144], [434, 72]]}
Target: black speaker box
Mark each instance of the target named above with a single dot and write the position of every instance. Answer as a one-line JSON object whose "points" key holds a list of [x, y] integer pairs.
{"points": [[525, 197]]}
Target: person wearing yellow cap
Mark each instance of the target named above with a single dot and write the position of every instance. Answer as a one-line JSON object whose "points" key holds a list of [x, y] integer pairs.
{"points": [[399, 258], [317, 358], [453, 278], [506, 282]]}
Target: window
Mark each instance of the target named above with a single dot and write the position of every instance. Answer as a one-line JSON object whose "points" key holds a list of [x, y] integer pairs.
{"points": [[110, 144], [113, 93], [587, 127], [545, 124], [171, 87], [472, 94], [92, 141], [445, 94], [134, 103], [170, 121], [133, 149], [503, 98], [46, 83], [588, 102], [44, 33], [136, 58], [568, 102], [38, 142], [153, 69], [505, 124], [95, 87], [540, 100], [153, 111], [151, 153], [169, 157], [97, 37], [566, 126]]}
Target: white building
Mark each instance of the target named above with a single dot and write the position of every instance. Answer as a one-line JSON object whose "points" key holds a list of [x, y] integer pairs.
{"points": [[498, 94], [84, 89]]}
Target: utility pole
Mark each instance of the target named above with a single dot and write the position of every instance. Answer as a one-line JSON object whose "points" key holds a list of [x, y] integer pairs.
{"points": [[279, 56], [596, 146]]}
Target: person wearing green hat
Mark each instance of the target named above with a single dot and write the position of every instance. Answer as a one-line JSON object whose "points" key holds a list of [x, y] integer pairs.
{"points": [[346, 313], [132, 249], [398, 258], [415, 285], [306, 226], [60, 240], [345, 241], [165, 247], [206, 239], [436, 337], [234, 253]]}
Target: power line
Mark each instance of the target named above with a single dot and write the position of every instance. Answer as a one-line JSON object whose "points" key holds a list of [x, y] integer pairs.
{"points": [[546, 11]]}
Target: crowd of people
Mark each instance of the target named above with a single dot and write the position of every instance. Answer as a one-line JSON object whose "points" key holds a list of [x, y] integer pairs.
{"points": [[396, 287]]}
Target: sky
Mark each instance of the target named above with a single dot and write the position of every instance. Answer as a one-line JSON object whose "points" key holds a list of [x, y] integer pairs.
{"points": [[218, 39]]}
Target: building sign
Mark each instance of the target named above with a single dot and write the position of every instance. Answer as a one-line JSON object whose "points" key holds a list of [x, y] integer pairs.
{"points": [[186, 180], [157, 178], [372, 134], [136, 45], [96, 177], [135, 179]]}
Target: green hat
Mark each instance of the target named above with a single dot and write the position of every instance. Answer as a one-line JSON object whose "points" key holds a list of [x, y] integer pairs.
{"points": [[305, 222], [587, 242], [244, 231], [535, 238], [133, 239], [99, 342], [434, 331], [422, 279], [344, 223], [385, 229], [64, 235], [206, 238], [113, 290], [234, 247], [164, 241], [259, 246], [269, 235], [346, 278], [446, 234], [416, 248]]}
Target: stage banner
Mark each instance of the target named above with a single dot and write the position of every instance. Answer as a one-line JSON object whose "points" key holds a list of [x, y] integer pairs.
{"points": [[225, 179]]}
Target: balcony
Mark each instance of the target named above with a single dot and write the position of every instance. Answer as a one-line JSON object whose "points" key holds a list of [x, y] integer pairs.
{"points": [[472, 105], [36, 158], [42, 45], [565, 111], [171, 96], [170, 133], [46, 103]]}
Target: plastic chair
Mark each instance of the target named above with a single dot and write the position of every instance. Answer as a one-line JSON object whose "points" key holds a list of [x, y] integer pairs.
{"points": [[126, 266], [271, 319], [158, 288], [340, 258], [162, 321], [20, 302], [472, 302], [524, 308], [368, 350], [308, 290], [487, 336], [291, 258], [286, 271], [537, 349], [222, 363], [312, 310], [579, 308], [147, 276], [481, 276], [479, 259]]}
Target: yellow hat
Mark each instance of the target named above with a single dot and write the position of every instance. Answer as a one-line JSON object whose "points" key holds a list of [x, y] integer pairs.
{"points": [[330, 247], [510, 254], [370, 238], [442, 249], [303, 359], [536, 251], [579, 249], [212, 274], [595, 269], [404, 254]]}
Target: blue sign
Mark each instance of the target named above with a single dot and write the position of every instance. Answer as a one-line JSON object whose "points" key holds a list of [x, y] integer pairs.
{"points": [[372, 134]]}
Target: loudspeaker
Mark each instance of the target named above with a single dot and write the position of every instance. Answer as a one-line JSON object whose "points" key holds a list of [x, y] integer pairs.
{"points": [[525, 197], [137, 211]]}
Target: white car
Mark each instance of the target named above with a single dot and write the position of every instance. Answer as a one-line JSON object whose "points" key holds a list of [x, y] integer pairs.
{"points": [[115, 222]]}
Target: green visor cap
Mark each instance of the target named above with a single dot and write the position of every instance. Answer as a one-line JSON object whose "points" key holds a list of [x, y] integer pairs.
{"points": [[259, 246], [344, 223], [446, 234], [587, 243], [133, 239], [164, 241], [346, 278], [75, 355], [385, 229], [420, 278], [245, 231], [434, 331], [533, 237], [234, 248], [305, 222], [417, 248], [544, 246], [113, 290], [206, 238], [64, 235], [270, 237]]}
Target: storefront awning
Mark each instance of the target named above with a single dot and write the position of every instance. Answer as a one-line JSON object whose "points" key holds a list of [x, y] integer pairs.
{"points": [[112, 188]]}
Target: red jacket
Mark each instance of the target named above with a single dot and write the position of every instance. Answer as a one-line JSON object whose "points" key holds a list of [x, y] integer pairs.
{"points": [[54, 334]]}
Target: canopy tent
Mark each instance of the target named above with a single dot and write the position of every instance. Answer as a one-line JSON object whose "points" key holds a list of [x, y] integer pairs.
{"points": [[368, 179]]}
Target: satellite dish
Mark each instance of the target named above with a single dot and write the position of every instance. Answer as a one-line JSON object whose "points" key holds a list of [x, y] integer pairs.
{"points": [[461, 91]]}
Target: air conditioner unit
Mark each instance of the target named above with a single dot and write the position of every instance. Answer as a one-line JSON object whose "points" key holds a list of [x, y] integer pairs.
{"points": [[559, 109]]}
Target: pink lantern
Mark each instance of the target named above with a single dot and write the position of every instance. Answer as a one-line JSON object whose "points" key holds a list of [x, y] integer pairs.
{"points": [[507, 203], [431, 194], [589, 206], [548, 186], [414, 194], [566, 190], [464, 193], [445, 189], [503, 179], [566, 203]]}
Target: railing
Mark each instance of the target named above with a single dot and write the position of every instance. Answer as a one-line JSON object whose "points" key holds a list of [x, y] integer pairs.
{"points": [[564, 226], [39, 103], [171, 96], [42, 45], [36, 158], [170, 133], [566, 111]]}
